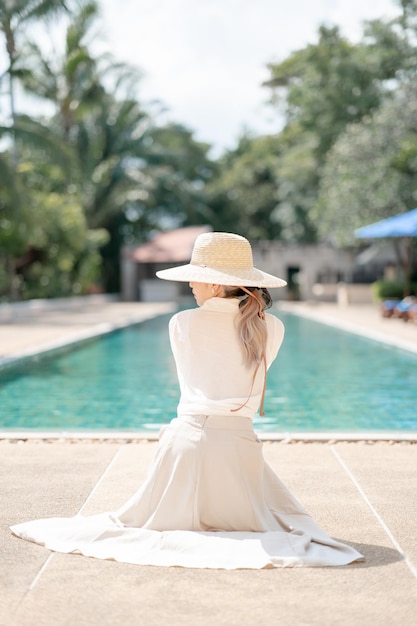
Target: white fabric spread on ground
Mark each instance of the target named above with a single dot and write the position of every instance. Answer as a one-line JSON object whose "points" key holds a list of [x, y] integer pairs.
{"points": [[210, 500]]}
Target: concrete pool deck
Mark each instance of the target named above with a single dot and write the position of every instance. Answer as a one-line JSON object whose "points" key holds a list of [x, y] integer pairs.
{"points": [[364, 493], [365, 320], [28, 331]]}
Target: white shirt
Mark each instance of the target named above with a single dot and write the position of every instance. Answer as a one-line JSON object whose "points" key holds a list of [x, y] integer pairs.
{"points": [[212, 376]]}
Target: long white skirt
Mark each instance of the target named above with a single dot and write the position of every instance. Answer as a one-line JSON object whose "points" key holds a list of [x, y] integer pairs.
{"points": [[209, 501]]}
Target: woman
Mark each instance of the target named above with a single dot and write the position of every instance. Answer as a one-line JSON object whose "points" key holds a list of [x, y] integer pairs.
{"points": [[210, 500]]}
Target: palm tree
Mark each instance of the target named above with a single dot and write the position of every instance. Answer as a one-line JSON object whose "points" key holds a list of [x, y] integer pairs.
{"points": [[14, 16], [103, 129], [72, 81]]}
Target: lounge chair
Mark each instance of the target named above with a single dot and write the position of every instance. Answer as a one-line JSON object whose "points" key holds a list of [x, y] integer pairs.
{"points": [[412, 313], [402, 310], [388, 306]]}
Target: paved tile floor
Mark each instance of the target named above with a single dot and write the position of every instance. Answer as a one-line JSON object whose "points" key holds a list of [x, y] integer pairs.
{"points": [[364, 493]]}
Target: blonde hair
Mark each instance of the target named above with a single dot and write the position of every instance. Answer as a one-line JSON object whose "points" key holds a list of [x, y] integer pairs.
{"points": [[251, 326]]}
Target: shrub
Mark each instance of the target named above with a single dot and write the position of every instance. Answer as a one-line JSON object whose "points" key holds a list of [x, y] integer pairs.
{"points": [[394, 289]]}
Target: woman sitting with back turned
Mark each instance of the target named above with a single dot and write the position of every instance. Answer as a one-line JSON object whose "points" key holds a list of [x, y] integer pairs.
{"points": [[210, 500]]}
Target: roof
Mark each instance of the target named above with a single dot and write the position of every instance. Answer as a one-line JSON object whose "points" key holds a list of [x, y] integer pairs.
{"points": [[174, 246]]}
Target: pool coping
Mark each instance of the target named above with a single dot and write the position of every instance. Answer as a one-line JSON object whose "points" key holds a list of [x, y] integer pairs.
{"points": [[133, 436]]}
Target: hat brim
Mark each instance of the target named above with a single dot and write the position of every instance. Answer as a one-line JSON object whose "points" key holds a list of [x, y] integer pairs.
{"points": [[221, 276]]}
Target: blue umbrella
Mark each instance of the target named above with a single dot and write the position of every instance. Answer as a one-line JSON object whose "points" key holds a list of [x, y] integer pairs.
{"points": [[401, 225]]}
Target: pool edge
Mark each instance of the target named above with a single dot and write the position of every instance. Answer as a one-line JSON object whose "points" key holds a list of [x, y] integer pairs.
{"points": [[79, 338], [138, 436]]}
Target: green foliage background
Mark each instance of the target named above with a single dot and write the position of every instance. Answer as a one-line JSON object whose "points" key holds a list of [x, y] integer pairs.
{"points": [[100, 172]]}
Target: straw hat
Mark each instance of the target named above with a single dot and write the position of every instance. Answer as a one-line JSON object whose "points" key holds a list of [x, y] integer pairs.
{"points": [[222, 259]]}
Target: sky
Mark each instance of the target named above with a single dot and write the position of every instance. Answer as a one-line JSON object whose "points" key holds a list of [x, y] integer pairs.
{"points": [[206, 59]]}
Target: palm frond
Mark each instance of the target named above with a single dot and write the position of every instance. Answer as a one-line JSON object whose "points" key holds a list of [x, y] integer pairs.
{"points": [[81, 24], [8, 180], [38, 135], [35, 9]]}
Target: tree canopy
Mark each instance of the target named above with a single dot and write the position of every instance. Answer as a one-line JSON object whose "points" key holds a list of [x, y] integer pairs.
{"points": [[96, 170], [374, 164]]}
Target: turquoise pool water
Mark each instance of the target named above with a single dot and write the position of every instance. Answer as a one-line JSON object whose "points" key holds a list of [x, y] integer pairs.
{"points": [[324, 379]]}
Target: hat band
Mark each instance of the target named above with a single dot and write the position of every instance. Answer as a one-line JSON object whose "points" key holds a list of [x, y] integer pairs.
{"points": [[224, 268]]}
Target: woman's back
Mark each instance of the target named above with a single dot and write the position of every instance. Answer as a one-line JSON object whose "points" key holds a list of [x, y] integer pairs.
{"points": [[213, 377]]}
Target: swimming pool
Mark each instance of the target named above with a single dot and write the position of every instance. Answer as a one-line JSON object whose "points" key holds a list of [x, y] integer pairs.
{"points": [[324, 379]]}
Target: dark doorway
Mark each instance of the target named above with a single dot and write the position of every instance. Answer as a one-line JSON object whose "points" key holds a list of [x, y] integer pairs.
{"points": [[293, 282]]}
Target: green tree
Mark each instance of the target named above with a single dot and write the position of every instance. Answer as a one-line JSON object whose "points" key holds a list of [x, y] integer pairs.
{"points": [[71, 81], [15, 220], [245, 190], [14, 225], [63, 257], [130, 175], [323, 89], [168, 171], [16, 216], [15, 17], [328, 85], [298, 171], [103, 132], [180, 167], [43, 230], [371, 171], [113, 179]]}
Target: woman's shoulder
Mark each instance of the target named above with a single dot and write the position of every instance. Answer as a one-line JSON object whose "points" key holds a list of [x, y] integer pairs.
{"points": [[274, 322], [276, 331], [276, 328], [182, 323], [182, 316]]}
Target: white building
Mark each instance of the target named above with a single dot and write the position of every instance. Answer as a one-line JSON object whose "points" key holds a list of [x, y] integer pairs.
{"points": [[313, 272]]}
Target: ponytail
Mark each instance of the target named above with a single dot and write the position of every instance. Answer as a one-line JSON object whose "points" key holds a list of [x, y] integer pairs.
{"points": [[251, 326]]}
